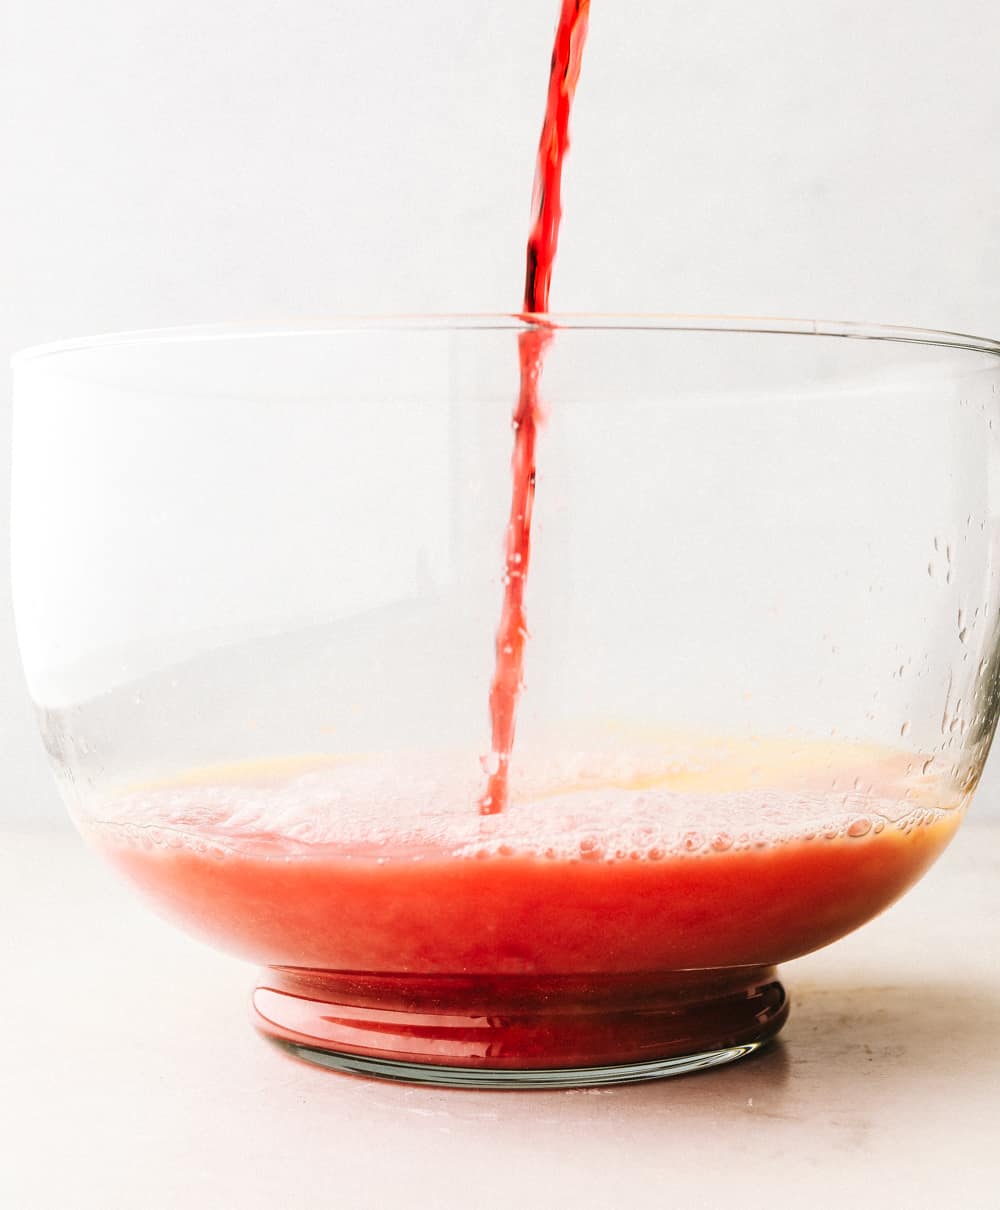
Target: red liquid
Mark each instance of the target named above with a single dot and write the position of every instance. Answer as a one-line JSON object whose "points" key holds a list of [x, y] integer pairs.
{"points": [[576, 934], [512, 632]]}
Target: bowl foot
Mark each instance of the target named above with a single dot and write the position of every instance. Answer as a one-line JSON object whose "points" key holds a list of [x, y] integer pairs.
{"points": [[520, 1031]]}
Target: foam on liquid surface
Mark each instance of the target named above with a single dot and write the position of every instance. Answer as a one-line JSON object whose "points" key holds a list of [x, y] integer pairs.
{"points": [[374, 810]]}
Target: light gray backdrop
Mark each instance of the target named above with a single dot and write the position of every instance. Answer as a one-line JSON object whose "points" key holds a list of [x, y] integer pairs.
{"points": [[171, 161]]}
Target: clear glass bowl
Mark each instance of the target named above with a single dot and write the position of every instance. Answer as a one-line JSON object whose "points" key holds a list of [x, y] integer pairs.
{"points": [[257, 578]]}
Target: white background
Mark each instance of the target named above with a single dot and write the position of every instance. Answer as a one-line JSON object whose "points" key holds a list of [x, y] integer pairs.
{"points": [[168, 161]]}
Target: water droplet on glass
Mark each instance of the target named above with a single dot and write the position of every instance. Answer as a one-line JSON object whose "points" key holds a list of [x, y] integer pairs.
{"points": [[904, 730]]}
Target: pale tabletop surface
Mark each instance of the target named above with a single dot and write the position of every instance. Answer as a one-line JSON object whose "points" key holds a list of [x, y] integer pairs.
{"points": [[129, 1077]]}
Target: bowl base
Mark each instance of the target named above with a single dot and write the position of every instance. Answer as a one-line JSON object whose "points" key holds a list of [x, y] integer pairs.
{"points": [[520, 1031], [438, 1076]]}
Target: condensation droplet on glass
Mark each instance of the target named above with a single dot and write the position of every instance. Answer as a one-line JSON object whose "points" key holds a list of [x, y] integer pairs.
{"points": [[904, 730]]}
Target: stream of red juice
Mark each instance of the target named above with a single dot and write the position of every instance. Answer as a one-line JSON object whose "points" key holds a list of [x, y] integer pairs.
{"points": [[543, 240]]}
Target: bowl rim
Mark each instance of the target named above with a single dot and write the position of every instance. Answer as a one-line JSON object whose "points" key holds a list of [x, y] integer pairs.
{"points": [[514, 321]]}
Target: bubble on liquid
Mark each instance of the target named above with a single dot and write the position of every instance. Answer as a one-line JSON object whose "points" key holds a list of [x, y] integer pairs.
{"points": [[590, 848]]}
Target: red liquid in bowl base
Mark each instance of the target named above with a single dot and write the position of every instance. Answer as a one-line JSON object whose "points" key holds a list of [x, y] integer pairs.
{"points": [[606, 926]]}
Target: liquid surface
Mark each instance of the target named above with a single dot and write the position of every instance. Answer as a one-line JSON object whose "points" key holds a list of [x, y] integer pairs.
{"points": [[657, 867]]}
